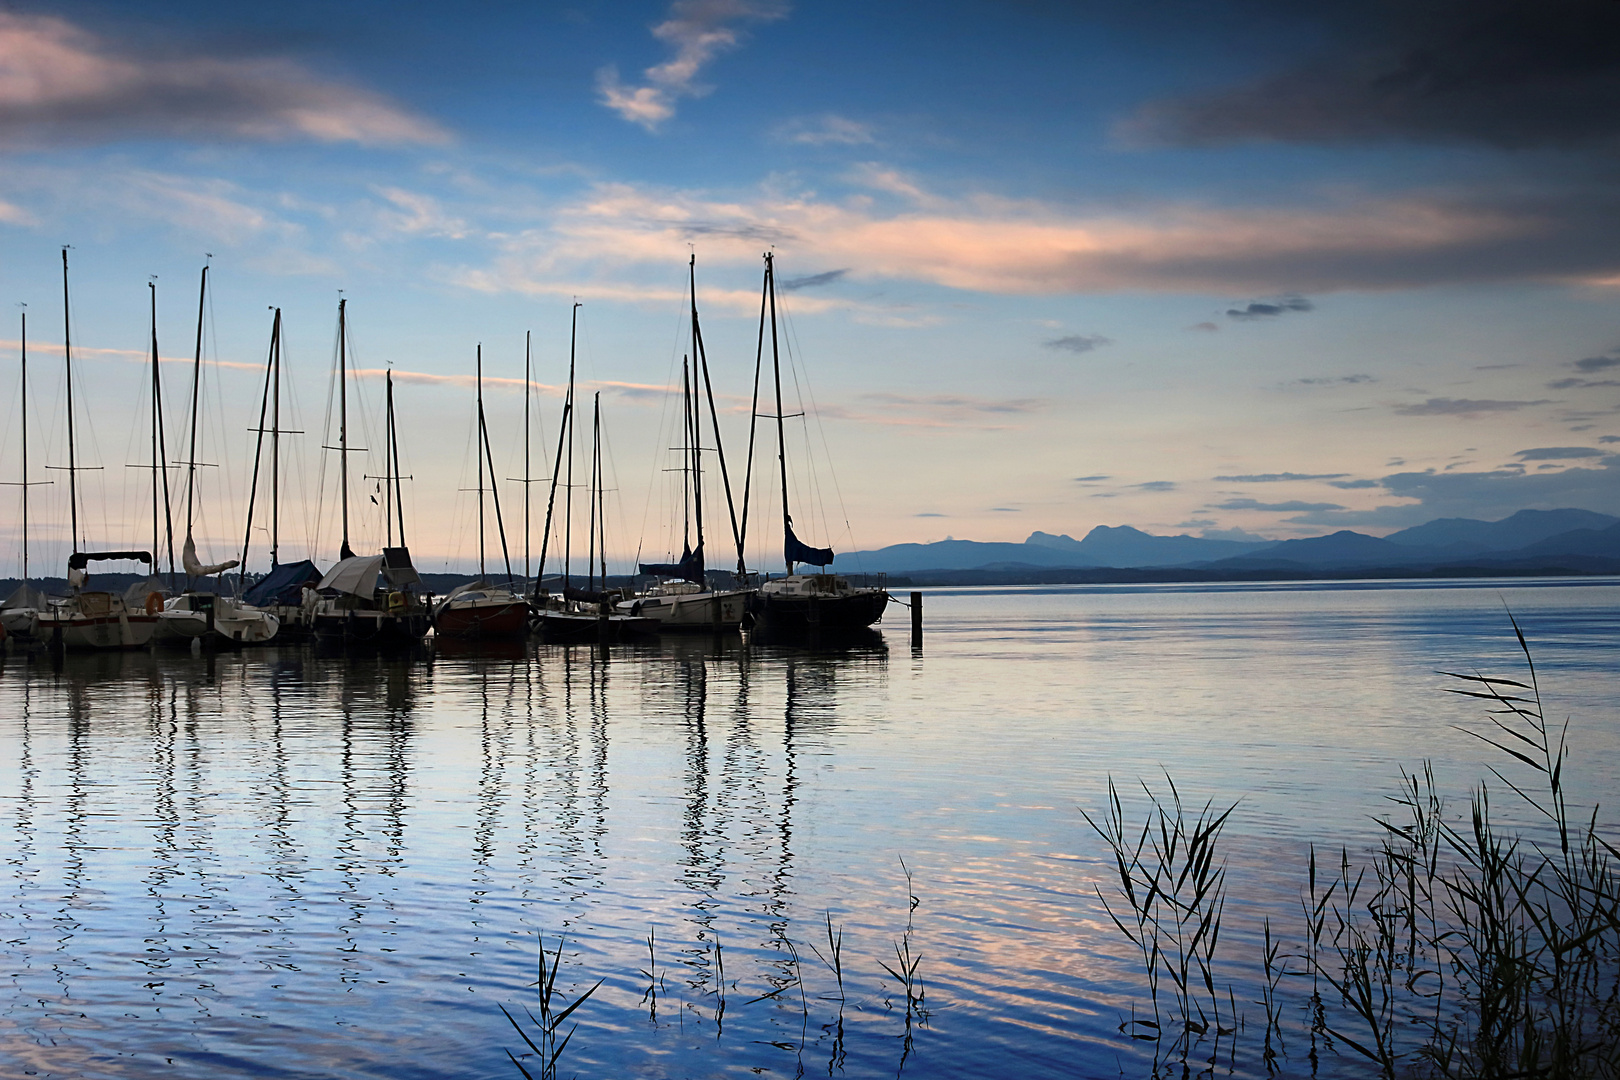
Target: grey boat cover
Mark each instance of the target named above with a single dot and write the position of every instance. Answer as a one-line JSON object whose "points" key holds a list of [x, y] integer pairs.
{"points": [[356, 575]]}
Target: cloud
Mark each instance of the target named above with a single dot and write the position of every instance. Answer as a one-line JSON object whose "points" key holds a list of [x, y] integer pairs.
{"points": [[1353, 485], [1078, 343], [1558, 453], [1290, 506], [1609, 439], [1243, 536], [1262, 309], [1334, 380], [1207, 327], [1091, 479], [1463, 407], [811, 282], [930, 514], [1495, 72], [697, 31], [1597, 363], [1279, 477], [826, 130], [60, 84], [1156, 485], [1489, 495], [995, 245], [1005, 510], [1581, 384]]}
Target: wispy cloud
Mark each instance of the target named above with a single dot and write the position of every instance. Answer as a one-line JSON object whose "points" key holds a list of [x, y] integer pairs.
{"points": [[1279, 477], [1156, 485], [825, 130], [1464, 407], [1289, 506], [1559, 453], [697, 31], [59, 83], [1270, 309], [1332, 380], [811, 281], [1078, 343]]}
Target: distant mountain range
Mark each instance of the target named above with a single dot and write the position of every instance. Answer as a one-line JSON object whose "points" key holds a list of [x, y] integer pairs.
{"points": [[1577, 541]]}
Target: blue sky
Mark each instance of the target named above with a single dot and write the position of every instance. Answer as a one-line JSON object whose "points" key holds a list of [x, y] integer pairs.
{"points": [[1191, 266]]}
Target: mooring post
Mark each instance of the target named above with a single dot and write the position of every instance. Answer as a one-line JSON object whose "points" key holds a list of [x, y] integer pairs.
{"points": [[916, 620]]}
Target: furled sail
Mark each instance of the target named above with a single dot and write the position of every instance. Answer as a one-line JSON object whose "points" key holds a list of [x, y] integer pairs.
{"points": [[194, 568], [690, 568], [798, 551]]}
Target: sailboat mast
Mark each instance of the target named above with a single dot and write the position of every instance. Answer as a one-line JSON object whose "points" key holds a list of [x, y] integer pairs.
{"points": [[568, 495], [258, 444], [24, 411], [196, 388], [72, 469], [781, 436], [601, 494], [392, 452], [527, 379], [556, 463], [686, 448], [478, 450], [753, 421], [388, 464], [160, 443], [700, 362], [596, 455], [343, 423], [275, 445]]}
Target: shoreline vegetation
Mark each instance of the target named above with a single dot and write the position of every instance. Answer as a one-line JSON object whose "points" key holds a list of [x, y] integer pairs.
{"points": [[1483, 943]]}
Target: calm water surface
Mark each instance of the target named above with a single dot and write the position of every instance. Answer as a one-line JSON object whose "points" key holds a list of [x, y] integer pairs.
{"points": [[272, 864]]}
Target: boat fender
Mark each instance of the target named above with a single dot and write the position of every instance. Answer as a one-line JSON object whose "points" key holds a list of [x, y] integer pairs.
{"points": [[635, 609], [154, 603], [396, 601]]}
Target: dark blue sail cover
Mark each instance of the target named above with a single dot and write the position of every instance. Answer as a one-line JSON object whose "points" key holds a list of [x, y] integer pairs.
{"points": [[690, 568], [283, 585], [797, 550]]}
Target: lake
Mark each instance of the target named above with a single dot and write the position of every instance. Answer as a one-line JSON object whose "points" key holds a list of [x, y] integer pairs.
{"points": [[273, 864]]}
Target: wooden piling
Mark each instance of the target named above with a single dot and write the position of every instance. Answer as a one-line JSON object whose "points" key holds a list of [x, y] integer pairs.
{"points": [[916, 620]]}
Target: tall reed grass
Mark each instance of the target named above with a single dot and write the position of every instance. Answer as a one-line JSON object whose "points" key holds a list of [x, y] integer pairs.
{"points": [[1481, 944]]}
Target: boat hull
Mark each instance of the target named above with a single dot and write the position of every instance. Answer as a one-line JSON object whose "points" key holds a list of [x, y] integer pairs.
{"points": [[855, 610], [369, 629], [507, 619], [705, 612], [123, 630], [573, 627]]}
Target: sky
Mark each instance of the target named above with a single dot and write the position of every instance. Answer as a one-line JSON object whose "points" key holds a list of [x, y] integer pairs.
{"points": [[1232, 269]]}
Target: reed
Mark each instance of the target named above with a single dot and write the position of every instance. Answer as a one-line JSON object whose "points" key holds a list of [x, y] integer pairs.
{"points": [[1466, 946], [544, 1044]]}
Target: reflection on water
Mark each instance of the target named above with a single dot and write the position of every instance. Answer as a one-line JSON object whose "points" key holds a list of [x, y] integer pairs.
{"points": [[277, 863]]}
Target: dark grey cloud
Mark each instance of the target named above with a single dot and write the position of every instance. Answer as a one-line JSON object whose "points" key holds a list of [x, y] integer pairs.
{"points": [[1270, 309], [1352, 485], [1559, 453], [1278, 477], [1464, 407], [1581, 384], [1156, 485], [1597, 363], [1091, 479], [1078, 343], [1005, 510], [1503, 73], [1489, 495], [929, 514], [1207, 327], [1334, 380], [1609, 439], [812, 281], [1291, 506]]}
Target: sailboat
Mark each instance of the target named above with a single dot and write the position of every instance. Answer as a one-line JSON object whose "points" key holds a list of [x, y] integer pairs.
{"points": [[19, 614], [201, 614], [90, 619], [578, 615], [281, 590], [801, 602], [681, 597], [353, 611], [479, 609]]}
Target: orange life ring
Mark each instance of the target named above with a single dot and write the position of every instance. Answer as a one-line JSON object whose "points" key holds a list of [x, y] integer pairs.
{"points": [[154, 603]]}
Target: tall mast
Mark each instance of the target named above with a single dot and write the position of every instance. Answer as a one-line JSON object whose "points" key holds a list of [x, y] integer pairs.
{"points": [[700, 359], [258, 447], [24, 411], [601, 494], [196, 387], [568, 497], [781, 437], [343, 423], [275, 446], [72, 469], [388, 464], [393, 452], [753, 417], [556, 463], [479, 453], [527, 378], [160, 452], [686, 455], [596, 454]]}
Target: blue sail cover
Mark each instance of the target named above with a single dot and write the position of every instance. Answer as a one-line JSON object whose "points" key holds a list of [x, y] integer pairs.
{"points": [[797, 550], [283, 585], [690, 568]]}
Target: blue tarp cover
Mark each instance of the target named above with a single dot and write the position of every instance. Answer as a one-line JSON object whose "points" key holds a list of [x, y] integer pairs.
{"points": [[283, 585], [797, 550], [690, 567]]}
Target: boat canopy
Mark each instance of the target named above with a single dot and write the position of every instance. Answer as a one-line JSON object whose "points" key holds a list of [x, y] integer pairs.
{"points": [[797, 550], [137, 593], [397, 567], [284, 584], [26, 596], [690, 568], [356, 575]]}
